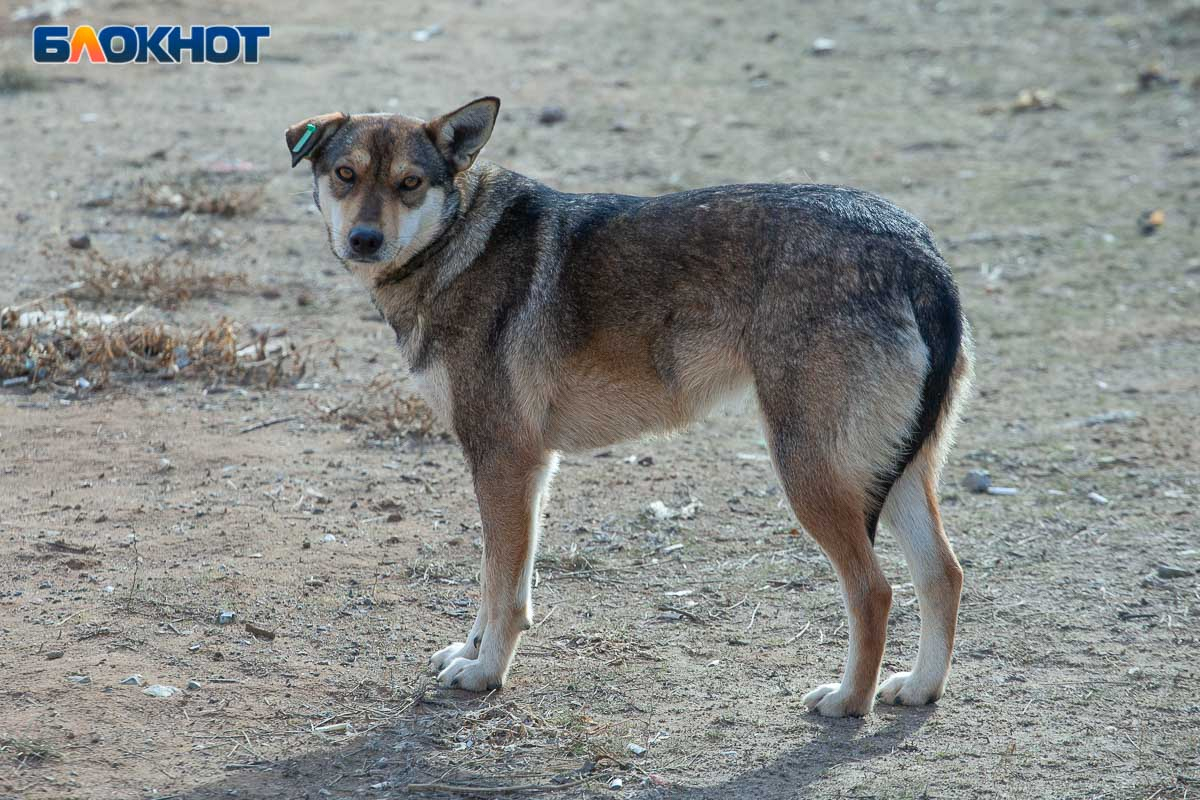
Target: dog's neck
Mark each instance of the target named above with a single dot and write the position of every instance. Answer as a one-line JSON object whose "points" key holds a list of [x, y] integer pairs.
{"points": [[404, 293]]}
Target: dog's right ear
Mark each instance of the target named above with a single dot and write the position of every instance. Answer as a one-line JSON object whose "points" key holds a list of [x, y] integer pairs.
{"points": [[304, 139]]}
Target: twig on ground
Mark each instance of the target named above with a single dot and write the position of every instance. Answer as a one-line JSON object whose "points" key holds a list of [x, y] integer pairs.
{"points": [[268, 423], [683, 613], [70, 287], [753, 616], [549, 614], [803, 631]]}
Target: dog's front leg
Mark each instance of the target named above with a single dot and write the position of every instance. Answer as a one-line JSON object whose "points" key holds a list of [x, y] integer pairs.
{"points": [[509, 492]]}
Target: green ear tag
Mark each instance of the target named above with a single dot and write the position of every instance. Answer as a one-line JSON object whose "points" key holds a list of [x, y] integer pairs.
{"points": [[309, 130]]}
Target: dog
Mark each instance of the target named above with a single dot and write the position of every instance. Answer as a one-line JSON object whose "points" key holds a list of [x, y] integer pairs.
{"points": [[536, 322]]}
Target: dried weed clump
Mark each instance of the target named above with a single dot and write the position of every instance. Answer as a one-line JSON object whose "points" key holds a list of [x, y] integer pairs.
{"points": [[90, 351], [166, 281], [27, 749], [201, 193], [384, 411]]}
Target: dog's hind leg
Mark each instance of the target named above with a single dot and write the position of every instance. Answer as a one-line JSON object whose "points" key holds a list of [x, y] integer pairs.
{"points": [[836, 398], [510, 492], [831, 510], [911, 512], [830, 502]]}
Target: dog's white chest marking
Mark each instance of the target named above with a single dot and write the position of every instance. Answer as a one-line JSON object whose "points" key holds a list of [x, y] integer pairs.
{"points": [[433, 385]]}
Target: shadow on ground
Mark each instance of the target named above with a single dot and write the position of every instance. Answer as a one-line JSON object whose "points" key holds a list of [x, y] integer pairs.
{"points": [[385, 764]]}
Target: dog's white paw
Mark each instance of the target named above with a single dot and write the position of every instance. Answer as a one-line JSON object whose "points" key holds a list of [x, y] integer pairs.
{"points": [[829, 700], [905, 689], [470, 674], [442, 658]]}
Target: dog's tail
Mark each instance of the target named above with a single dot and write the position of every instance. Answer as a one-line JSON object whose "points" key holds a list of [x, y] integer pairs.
{"points": [[947, 337]]}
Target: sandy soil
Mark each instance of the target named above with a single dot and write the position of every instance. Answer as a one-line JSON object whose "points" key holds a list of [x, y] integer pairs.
{"points": [[131, 517]]}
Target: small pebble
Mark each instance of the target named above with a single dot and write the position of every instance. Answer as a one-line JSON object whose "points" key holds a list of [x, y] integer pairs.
{"points": [[977, 480], [1098, 498], [158, 690], [328, 538], [51, 655], [133, 680], [425, 34], [1151, 221], [823, 46], [552, 115], [1169, 572], [635, 748], [80, 242], [259, 632], [661, 510], [98, 200], [193, 686]]}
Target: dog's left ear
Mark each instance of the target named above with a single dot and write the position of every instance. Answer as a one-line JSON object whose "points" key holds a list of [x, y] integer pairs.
{"points": [[461, 134], [304, 139]]}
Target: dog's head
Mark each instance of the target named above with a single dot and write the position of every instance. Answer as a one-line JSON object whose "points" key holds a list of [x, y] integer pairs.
{"points": [[385, 183]]}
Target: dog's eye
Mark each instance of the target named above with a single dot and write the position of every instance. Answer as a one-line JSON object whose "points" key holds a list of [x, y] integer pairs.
{"points": [[345, 173], [410, 183]]}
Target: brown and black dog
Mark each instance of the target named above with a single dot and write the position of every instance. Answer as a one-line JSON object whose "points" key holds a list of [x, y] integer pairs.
{"points": [[536, 322]]}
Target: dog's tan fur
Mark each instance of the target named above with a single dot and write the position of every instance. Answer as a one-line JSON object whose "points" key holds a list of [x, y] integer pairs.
{"points": [[536, 322]]}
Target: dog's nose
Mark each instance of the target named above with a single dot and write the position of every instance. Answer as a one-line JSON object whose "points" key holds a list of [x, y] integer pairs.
{"points": [[365, 241]]}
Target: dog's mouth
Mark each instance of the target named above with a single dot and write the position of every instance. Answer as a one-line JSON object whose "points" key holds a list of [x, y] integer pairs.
{"points": [[381, 256]]}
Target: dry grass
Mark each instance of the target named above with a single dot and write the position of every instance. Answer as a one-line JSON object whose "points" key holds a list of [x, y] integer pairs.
{"points": [[385, 411], [69, 346], [26, 749], [541, 751], [166, 281], [200, 193]]}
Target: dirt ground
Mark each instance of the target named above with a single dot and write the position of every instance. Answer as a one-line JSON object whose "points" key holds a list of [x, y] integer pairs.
{"points": [[1036, 139]]}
